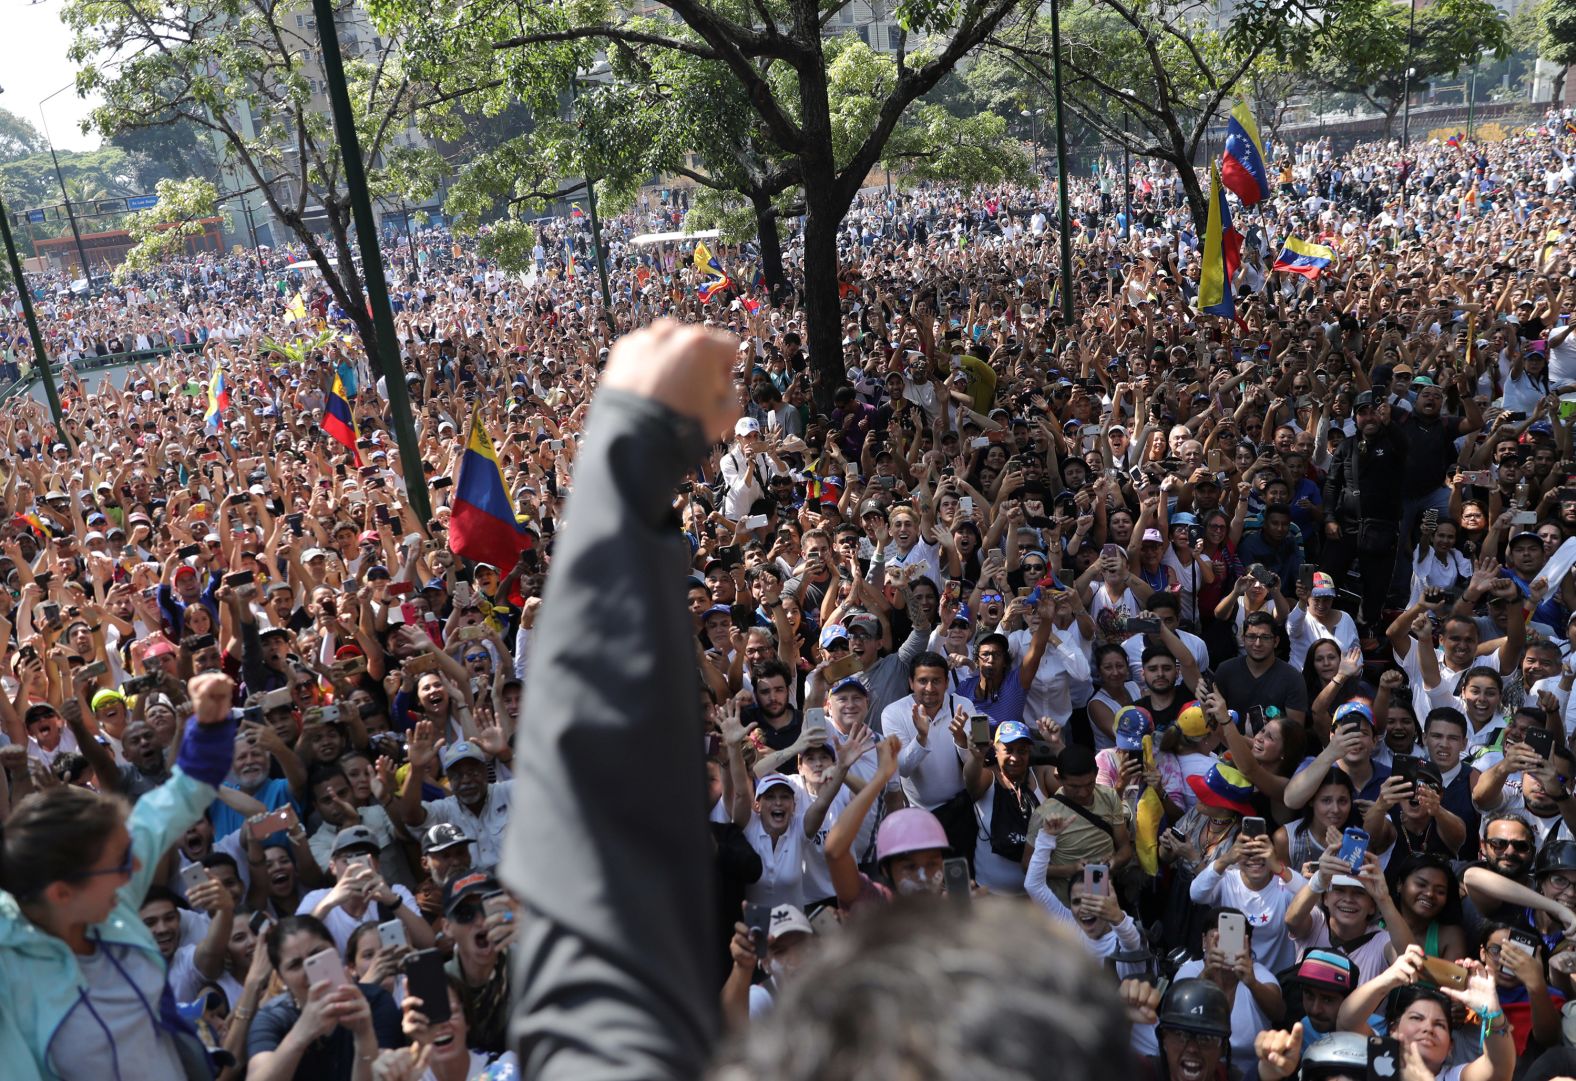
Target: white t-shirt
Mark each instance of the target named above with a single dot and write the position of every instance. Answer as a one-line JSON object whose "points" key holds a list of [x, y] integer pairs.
{"points": [[782, 864], [340, 923]]}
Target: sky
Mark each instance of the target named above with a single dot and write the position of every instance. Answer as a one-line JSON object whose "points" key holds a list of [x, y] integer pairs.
{"points": [[36, 66]]}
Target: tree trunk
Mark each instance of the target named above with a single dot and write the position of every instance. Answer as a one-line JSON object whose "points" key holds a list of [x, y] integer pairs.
{"points": [[1197, 199], [771, 246], [823, 315]]}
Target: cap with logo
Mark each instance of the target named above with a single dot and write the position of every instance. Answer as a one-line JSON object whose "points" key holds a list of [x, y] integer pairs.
{"points": [[356, 837], [787, 920], [466, 886], [1133, 723], [463, 751], [1323, 585], [444, 835]]}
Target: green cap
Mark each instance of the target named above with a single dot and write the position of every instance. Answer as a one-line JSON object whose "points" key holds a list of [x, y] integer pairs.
{"points": [[1422, 381]]}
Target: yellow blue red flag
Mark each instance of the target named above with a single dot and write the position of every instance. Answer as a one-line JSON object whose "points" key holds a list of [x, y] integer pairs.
{"points": [[482, 525], [1242, 167], [1222, 253], [1304, 257]]}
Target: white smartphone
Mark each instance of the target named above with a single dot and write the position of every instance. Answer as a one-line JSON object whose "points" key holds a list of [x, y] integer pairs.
{"points": [[815, 721], [755, 521], [392, 934], [966, 505], [1233, 931], [190, 877], [979, 444], [325, 966]]}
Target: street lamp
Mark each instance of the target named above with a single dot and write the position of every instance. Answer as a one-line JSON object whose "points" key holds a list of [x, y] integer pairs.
{"points": [[87, 274], [1036, 132], [1127, 167], [20, 281]]}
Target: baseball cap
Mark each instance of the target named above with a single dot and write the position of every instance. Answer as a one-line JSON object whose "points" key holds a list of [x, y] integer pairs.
{"points": [[443, 836], [475, 884], [1346, 882], [1152, 535], [1525, 534], [771, 781], [1012, 732], [747, 426], [1328, 969], [1323, 585], [850, 683], [865, 622], [787, 920], [716, 610], [462, 751], [832, 632], [357, 836], [1133, 723]]}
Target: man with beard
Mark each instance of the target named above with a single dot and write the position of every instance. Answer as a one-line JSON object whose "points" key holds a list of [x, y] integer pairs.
{"points": [[1507, 847], [161, 914], [1258, 677], [1546, 904], [930, 763], [332, 801], [1430, 438], [445, 853], [361, 893], [249, 774], [1524, 782], [779, 723], [476, 807]]}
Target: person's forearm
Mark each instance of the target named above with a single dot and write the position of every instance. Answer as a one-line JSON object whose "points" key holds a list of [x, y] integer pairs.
{"points": [[1300, 789], [1269, 999], [208, 957], [736, 998]]}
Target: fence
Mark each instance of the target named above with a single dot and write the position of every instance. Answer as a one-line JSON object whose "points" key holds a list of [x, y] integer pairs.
{"points": [[30, 377]]}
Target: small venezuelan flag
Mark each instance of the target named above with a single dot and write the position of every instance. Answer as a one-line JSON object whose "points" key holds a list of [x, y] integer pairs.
{"points": [[482, 525], [218, 399], [339, 423], [1303, 257]]}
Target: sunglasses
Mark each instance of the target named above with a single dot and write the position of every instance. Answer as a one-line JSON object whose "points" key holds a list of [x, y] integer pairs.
{"points": [[1499, 844], [124, 867]]}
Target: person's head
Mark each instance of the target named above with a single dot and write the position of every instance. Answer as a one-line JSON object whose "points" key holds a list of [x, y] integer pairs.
{"points": [[1159, 670], [361, 951], [1075, 769], [926, 1013], [1496, 955], [1480, 691], [1258, 636], [770, 682], [1419, 1017], [1111, 669], [848, 703], [927, 680], [465, 766], [994, 655], [331, 796], [66, 850], [1459, 639], [1445, 737], [1538, 799], [161, 915], [1356, 716], [45, 725], [1323, 661], [289, 943], [1325, 977], [1508, 844], [1332, 801], [911, 847], [1277, 523], [1194, 1030], [1425, 888], [1279, 746], [249, 764], [141, 746], [775, 801]]}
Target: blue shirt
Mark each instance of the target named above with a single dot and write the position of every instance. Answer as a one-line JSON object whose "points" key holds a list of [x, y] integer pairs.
{"points": [[1006, 705], [274, 794]]}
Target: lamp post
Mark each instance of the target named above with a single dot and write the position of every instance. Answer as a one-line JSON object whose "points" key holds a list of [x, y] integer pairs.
{"points": [[371, 260], [71, 216], [1127, 168]]}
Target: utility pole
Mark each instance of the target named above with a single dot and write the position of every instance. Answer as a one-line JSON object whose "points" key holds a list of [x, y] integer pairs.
{"points": [[32, 320], [371, 260], [1127, 167], [71, 216], [596, 227]]}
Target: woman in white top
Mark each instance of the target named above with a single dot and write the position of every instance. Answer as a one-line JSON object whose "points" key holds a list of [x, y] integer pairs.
{"points": [[1107, 930], [1005, 792], [1527, 383], [1315, 616], [1436, 561], [1249, 595], [1120, 592], [1113, 690]]}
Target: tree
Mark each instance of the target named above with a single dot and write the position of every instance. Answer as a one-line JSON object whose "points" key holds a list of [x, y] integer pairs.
{"points": [[1547, 28], [163, 229], [18, 137], [31, 182], [1152, 78], [172, 150], [1365, 52], [235, 70], [775, 51]]}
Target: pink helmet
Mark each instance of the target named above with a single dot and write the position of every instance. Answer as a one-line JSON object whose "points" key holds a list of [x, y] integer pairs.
{"points": [[913, 829]]}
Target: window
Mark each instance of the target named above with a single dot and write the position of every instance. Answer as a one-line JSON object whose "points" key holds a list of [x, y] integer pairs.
{"points": [[894, 36], [300, 21], [864, 33]]}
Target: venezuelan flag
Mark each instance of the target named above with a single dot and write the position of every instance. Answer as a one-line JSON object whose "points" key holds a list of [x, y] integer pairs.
{"points": [[296, 309], [714, 280], [1221, 255], [218, 399], [1303, 257], [482, 525], [339, 423], [1242, 165], [569, 256]]}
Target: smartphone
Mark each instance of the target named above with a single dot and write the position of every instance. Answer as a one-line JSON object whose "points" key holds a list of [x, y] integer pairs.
{"points": [[90, 671], [259, 922], [713, 744], [422, 662], [1305, 577], [324, 966], [272, 699], [1232, 930], [190, 877], [754, 521], [239, 579], [1354, 846], [758, 918], [1253, 826], [979, 730], [296, 524], [966, 505], [1094, 879], [1384, 1058], [1143, 625], [1177, 835], [497, 904], [841, 669], [189, 550], [49, 612], [1540, 740], [274, 822], [1253, 718], [1481, 478], [995, 555], [426, 980], [815, 721], [1445, 974], [955, 879], [199, 642], [441, 482], [952, 592], [392, 934], [1522, 942]]}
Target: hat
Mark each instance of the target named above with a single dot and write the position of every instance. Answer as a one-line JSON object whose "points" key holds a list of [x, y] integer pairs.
{"points": [[771, 781], [185, 568], [462, 751], [1013, 732], [1523, 535], [1184, 518], [870, 506], [1346, 882], [1423, 381], [1133, 723], [787, 920], [1193, 721], [1323, 585], [313, 553], [716, 610], [1365, 398], [369, 536], [831, 633], [159, 647], [1224, 787], [865, 622], [1152, 535], [104, 697], [1207, 480], [1327, 969], [746, 426], [850, 683], [443, 836], [357, 836], [474, 884], [274, 632]]}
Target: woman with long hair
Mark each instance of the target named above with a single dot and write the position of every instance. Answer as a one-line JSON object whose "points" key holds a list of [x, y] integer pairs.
{"points": [[1331, 810], [1436, 561], [1428, 895], [87, 978], [1114, 689]]}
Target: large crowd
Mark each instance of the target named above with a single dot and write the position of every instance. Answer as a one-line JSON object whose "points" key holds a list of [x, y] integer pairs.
{"points": [[1236, 647]]}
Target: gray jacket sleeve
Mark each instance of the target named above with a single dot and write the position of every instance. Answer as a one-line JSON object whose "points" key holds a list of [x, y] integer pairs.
{"points": [[608, 846]]}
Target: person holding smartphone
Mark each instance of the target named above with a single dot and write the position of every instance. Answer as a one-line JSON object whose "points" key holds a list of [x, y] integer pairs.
{"points": [[1250, 878], [1515, 957], [322, 1025]]}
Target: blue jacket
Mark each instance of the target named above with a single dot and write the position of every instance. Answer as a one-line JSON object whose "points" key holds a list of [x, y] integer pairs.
{"points": [[41, 974]]}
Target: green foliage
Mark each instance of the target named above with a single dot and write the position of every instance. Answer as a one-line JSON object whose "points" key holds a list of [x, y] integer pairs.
{"points": [[509, 243], [162, 230], [1365, 51], [30, 182], [1557, 19], [18, 138]]}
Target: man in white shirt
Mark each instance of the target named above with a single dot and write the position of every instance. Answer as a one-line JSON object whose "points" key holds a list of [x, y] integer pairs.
{"points": [[361, 894], [929, 763], [747, 467], [913, 543]]}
